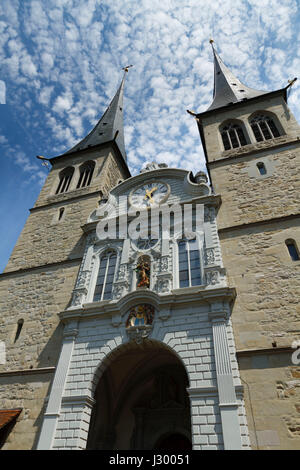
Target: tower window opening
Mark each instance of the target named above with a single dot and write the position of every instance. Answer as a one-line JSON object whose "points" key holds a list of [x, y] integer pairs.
{"points": [[264, 128], [106, 273], [189, 263], [61, 213], [261, 168], [65, 180], [292, 249], [233, 136], [19, 329], [86, 173]]}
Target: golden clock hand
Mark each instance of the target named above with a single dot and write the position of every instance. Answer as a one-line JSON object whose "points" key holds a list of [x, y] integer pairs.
{"points": [[148, 195]]}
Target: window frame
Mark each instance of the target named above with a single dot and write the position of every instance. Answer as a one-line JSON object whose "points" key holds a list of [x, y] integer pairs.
{"points": [[95, 274], [263, 117], [86, 172], [292, 242], [176, 264], [65, 178], [233, 126]]}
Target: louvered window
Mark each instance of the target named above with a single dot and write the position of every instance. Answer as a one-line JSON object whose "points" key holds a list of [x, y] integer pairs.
{"points": [[86, 174], [65, 178], [233, 136], [264, 127]]}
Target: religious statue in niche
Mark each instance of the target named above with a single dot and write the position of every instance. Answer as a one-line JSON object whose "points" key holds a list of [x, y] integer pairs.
{"points": [[143, 272], [141, 315]]}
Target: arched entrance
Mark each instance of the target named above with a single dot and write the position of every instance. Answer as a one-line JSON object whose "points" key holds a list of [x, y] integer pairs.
{"points": [[141, 401], [173, 442]]}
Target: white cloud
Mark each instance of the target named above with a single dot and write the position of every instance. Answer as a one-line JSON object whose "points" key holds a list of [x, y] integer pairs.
{"points": [[2, 92], [68, 54]]}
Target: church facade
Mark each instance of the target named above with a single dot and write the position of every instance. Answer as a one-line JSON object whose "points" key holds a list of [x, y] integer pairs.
{"points": [[178, 335]]}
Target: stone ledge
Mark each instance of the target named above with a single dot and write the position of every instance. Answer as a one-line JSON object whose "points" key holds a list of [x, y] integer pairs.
{"points": [[257, 222], [69, 196], [42, 370], [256, 148], [252, 352], [42, 266]]}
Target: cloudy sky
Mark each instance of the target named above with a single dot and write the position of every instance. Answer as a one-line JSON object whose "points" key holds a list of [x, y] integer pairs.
{"points": [[61, 63]]}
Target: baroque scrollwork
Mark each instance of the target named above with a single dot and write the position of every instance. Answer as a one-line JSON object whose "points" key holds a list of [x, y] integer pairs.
{"points": [[209, 256]]}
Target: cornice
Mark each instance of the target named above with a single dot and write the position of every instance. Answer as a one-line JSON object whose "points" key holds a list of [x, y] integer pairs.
{"points": [[177, 299]]}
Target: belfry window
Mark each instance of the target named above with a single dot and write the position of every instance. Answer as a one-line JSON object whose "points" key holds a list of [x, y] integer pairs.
{"points": [[65, 178], [104, 283], [233, 136], [292, 249], [189, 263], [263, 127], [86, 173]]}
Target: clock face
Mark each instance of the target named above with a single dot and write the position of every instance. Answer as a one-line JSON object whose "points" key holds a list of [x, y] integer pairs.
{"points": [[149, 194]]}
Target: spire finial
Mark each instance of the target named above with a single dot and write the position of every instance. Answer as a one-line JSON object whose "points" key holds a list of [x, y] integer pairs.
{"points": [[228, 88], [126, 68]]}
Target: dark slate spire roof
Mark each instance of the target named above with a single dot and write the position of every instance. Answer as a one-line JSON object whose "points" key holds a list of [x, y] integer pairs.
{"points": [[227, 88], [109, 128]]}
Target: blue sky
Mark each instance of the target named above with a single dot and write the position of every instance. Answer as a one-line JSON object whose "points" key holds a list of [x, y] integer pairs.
{"points": [[61, 61]]}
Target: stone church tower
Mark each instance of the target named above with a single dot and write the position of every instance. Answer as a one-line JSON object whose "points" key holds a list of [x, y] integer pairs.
{"points": [[251, 142], [169, 339], [43, 267]]}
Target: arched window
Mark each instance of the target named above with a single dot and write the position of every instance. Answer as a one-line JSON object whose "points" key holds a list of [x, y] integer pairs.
{"points": [[86, 173], [65, 178], [19, 329], [263, 127], [189, 263], [232, 136], [61, 213], [261, 168], [292, 249], [104, 283]]}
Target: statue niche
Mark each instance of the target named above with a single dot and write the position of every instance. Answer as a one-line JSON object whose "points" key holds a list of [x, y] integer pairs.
{"points": [[143, 269]]}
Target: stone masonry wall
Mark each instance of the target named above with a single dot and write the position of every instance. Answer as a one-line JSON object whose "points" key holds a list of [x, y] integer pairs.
{"points": [[272, 397], [36, 297], [27, 392], [267, 281], [249, 197], [266, 310]]}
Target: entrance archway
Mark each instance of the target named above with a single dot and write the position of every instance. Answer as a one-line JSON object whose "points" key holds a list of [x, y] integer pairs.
{"points": [[173, 442], [141, 397]]}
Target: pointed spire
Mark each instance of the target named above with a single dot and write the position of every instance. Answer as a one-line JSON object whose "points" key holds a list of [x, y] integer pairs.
{"points": [[227, 88], [110, 126]]}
